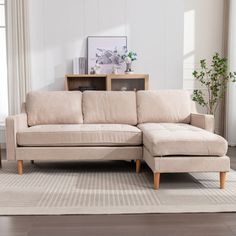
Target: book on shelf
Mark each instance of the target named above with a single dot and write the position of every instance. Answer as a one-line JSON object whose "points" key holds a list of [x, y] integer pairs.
{"points": [[82, 65], [76, 66], [79, 65]]}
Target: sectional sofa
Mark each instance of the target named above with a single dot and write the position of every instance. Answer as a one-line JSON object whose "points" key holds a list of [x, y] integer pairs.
{"points": [[159, 127]]}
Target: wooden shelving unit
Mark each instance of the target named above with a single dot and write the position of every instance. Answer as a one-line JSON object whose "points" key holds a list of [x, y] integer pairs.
{"points": [[76, 82], [112, 82]]}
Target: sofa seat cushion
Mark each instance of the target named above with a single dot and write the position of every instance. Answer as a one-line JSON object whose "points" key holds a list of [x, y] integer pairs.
{"points": [[165, 139], [80, 135]]}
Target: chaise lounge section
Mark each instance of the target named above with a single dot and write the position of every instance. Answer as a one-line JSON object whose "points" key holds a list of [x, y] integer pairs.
{"points": [[177, 140], [159, 127]]}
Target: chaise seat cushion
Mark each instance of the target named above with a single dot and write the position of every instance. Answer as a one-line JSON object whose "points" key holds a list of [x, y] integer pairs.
{"points": [[165, 139], [80, 135]]}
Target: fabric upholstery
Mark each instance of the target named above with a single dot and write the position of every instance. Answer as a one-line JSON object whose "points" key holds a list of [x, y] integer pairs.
{"points": [[169, 106], [54, 107], [13, 125], [203, 121], [175, 164], [109, 107], [80, 135], [79, 153], [181, 139]]}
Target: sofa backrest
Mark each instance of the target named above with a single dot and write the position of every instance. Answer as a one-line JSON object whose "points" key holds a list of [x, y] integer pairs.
{"points": [[169, 106], [54, 107], [109, 107]]}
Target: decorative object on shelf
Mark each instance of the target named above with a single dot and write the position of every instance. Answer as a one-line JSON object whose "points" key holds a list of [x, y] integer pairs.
{"points": [[123, 88], [106, 52], [213, 78], [116, 69], [83, 88], [129, 57], [92, 71], [97, 69]]}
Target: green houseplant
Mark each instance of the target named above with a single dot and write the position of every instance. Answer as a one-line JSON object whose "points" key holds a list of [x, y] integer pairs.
{"points": [[213, 79]]}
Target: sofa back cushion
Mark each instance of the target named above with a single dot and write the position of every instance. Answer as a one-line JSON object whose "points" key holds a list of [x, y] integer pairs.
{"points": [[169, 106], [54, 107], [109, 107]]}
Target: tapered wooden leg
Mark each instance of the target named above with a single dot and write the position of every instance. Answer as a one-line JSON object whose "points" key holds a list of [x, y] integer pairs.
{"points": [[222, 180], [138, 166], [32, 161], [20, 167], [156, 180]]}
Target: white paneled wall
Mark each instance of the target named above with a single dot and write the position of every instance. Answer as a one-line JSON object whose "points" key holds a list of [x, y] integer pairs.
{"points": [[204, 34], [59, 28], [170, 37]]}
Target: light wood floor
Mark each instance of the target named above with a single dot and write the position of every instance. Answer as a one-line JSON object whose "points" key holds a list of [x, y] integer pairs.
{"points": [[220, 224]]}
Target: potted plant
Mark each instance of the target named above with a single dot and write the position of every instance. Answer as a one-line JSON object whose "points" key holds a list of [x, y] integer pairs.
{"points": [[129, 57], [214, 79]]}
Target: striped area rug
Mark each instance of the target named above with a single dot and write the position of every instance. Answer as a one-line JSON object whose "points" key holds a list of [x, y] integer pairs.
{"points": [[55, 188]]}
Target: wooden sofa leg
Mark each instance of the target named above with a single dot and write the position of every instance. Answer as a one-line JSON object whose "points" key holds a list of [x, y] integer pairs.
{"points": [[32, 161], [222, 180], [20, 167], [138, 166], [156, 180]]}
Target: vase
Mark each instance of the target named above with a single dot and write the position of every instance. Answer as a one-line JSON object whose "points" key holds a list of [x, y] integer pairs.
{"points": [[129, 68], [115, 69]]}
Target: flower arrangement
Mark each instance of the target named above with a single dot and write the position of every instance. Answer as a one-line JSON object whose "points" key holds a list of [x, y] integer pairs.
{"points": [[128, 58]]}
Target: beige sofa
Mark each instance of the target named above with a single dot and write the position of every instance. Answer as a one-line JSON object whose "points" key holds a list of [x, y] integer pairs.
{"points": [[157, 126]]}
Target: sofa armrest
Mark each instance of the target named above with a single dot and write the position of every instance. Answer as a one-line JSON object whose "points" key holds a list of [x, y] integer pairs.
{"points": [[203, 121], [13, 125]]}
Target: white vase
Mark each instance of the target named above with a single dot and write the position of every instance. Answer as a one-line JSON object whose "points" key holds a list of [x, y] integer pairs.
{"points": [[129, 68]]}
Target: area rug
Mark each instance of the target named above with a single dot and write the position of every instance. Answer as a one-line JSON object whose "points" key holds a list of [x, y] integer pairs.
{"points": [[56, 188]]}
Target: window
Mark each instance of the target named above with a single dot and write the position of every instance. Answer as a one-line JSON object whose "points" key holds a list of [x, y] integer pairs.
{"points": [[3, 65]]}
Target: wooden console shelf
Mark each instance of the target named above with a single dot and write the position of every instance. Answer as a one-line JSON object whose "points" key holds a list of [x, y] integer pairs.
{"points": [[112, 82]]}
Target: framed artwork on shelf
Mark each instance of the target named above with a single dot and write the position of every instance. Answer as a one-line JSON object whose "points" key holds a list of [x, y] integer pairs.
{"points": [[105, 54]]}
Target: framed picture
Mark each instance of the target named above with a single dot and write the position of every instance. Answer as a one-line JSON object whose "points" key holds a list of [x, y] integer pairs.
{"points": [[104, 54]]}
